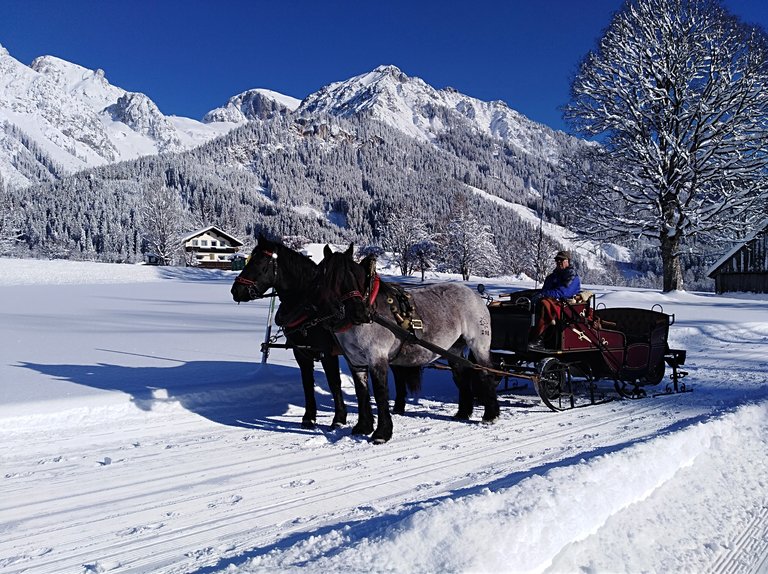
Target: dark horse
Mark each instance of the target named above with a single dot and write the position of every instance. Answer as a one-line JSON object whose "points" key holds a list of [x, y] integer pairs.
{"points": [[453, 317], [293, 277]]}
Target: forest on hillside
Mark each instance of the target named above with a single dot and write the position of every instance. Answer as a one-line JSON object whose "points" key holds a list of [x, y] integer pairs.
{"points": [[323, 179]]}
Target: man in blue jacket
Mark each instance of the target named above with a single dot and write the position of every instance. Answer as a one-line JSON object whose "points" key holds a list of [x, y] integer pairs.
{"points": [[562, 283]]}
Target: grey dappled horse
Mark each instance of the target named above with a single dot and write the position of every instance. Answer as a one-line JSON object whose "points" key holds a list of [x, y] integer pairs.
{"points": [[453, 315]]}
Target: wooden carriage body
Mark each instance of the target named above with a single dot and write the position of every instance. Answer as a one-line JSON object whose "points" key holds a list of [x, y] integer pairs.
{"points": [[623, 344]]}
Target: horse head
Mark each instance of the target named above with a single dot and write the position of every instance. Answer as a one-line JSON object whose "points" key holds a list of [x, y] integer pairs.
{"points": [[345, 286], [260, 272]]}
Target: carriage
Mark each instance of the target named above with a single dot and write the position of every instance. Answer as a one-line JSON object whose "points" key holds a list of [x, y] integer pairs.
{"points": [[587, 346]]}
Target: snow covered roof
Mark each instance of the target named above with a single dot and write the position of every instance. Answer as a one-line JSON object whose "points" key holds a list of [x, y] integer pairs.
{"points": [[232, 239], [732, 252]]}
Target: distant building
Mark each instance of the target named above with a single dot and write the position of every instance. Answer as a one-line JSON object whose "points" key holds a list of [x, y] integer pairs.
{"points": [[211, 247], [745, 267]]}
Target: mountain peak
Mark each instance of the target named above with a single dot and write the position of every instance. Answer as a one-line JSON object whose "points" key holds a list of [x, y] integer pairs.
{"points": [[256, 104], [417, 109]]}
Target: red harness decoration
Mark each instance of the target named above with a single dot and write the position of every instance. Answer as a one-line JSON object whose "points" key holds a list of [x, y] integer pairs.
{"points": [[375, 285], [374, 289]]}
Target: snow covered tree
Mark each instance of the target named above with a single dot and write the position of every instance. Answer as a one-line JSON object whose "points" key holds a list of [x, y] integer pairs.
{"points": [[402, 230], [422, 255], [468, 247], [10, 222], [677, 94], [162, 222]]}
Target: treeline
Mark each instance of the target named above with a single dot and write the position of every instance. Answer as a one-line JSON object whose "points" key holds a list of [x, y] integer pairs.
{"points": [[323, 178]]}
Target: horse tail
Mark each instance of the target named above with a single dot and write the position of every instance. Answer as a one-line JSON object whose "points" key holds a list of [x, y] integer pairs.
{"points": [[410, 376]]}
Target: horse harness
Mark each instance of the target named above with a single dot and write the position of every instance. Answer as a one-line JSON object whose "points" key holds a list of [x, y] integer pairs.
{"points": [[398, 299]]}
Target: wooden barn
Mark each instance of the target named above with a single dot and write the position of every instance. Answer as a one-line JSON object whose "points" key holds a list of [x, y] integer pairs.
{"points": [[211, 247], [745, 267]]}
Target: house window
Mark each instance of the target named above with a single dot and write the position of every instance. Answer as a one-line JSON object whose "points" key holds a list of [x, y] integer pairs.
{"points": [[204, 242], [214, 243], [194, 242]]}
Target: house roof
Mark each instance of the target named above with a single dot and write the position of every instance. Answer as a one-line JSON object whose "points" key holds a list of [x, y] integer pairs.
{"points": [[232, 239], [720, 262]]}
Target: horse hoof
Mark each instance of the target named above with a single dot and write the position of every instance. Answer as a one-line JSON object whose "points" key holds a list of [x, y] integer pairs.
{"points": [[309, 425], [461, 416], [398, 411], [358, 430], [336, 425], [486, 421], [379, 439]]}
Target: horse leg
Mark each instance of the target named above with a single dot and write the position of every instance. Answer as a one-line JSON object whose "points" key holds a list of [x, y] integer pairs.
{"points": [[486, 382], [383, 430], [333, 376], [365, 412], [462, 378], [307, 368], [406, 379], [399, 374]]}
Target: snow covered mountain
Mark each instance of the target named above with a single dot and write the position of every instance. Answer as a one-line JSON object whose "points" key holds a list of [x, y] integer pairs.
{"points": [[257, 104], [411, 105], [58, 118]]}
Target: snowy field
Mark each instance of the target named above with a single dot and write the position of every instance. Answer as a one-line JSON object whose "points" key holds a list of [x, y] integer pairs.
{"points": [[139, 433]]}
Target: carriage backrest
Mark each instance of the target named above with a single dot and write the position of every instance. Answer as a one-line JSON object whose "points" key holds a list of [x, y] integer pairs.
{"points": [[639, 325]]}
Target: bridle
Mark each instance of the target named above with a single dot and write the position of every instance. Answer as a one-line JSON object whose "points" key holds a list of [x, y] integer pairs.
{"points": [[367, 297], [252, 285]]}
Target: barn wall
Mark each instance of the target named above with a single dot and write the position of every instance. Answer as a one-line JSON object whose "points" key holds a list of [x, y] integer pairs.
{"points": [[751, 258], [747, 269], [741, 282]]}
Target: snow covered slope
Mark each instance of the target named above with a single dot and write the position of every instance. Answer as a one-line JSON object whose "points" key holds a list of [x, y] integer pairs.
{"points": [[74, 118], [140, 434]]}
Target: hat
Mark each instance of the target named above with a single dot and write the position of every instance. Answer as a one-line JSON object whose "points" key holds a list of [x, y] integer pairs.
{"points": [[563, 255]]}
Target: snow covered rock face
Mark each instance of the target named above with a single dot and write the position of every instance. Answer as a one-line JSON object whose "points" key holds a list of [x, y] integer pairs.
{"points": [[255, 104], [140, 114]]}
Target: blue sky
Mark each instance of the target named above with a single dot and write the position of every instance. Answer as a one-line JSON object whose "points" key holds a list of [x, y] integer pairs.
{"points": [[190, 56]]}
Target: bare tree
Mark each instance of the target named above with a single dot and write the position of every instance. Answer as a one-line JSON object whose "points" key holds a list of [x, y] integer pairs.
{"points": [[163, 222], [677, 91]]}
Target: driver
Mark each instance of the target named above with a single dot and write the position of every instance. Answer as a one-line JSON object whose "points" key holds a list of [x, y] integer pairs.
{"points": [[562, 283]]}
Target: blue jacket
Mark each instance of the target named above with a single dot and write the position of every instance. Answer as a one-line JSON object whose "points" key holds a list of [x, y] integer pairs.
{"points": [[561, 284]]}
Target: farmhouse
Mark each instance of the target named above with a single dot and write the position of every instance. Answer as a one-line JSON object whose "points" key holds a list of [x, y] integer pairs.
{"points": [[211, 247], [745, 267]]}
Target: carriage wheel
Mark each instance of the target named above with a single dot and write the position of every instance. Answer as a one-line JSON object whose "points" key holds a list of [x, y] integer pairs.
{"points": [[629, 390], [655, 374], [560, 391], [552, 383]]}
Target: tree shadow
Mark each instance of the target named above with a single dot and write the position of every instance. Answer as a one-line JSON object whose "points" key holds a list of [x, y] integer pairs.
{"points": [[238, 394]]}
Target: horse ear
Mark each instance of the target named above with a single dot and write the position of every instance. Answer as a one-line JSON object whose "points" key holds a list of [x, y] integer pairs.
{"points": [[327, 251], [350, 251]]}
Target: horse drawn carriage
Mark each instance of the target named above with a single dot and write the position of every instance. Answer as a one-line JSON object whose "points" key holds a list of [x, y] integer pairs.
{"points": [[377, 325], [587, 346]]}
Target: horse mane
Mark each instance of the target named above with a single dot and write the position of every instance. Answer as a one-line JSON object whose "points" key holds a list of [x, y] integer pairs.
{"points": [[293, 263]]}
